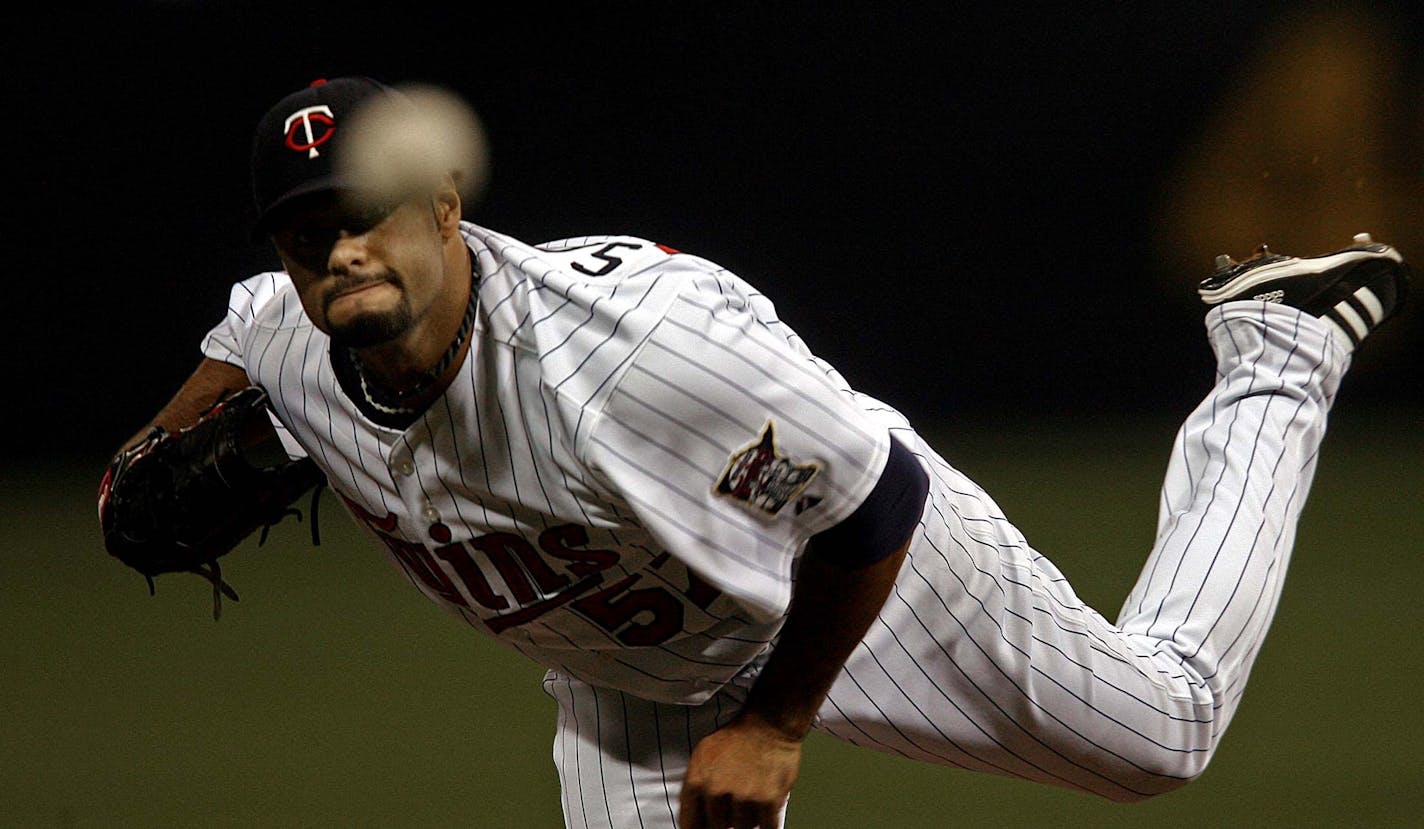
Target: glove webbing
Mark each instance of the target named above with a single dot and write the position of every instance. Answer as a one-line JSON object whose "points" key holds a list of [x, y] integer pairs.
{"points": [[212, 571]]}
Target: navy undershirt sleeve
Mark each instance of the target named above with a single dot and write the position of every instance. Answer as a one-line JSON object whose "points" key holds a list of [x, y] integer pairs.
{"points": [[884, 520]]}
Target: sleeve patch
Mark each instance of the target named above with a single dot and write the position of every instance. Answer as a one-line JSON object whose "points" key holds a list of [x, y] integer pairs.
{"points": [[761, 477]]}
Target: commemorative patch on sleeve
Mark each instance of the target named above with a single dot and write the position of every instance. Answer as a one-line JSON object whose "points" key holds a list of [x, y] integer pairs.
{"points": [[761, 477]]}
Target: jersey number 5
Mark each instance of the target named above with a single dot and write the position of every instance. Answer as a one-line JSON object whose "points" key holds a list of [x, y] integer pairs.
{"points": [[605, 255]]}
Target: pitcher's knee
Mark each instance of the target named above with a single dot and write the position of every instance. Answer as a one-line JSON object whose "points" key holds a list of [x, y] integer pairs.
{"points": [[1158, 773]]}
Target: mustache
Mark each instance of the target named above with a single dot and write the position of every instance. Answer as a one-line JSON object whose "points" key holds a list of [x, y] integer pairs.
{"points": [[348, 285]]}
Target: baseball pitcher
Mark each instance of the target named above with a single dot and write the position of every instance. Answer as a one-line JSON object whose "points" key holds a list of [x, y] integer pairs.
{"points": [[616, 459]]}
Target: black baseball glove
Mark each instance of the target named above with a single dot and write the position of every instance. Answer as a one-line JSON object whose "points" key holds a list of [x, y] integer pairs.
{"points": [[178, 501]]}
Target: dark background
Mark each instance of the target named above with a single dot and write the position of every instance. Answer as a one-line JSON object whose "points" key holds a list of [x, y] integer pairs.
{"points": [[954, 204], [978, 213]]}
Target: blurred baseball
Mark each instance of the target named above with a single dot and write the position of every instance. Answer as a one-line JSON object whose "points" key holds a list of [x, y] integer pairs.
{"points": [[400, 145]]}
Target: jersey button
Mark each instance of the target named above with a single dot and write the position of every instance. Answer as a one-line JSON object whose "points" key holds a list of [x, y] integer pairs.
{"points": [[405, 468]]}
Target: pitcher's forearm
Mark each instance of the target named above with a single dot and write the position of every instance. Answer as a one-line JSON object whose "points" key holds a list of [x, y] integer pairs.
{"points": [[830, 612], [210, 381]]}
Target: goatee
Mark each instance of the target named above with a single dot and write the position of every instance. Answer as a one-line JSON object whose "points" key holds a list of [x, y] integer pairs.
{"points": [[370, 329]]}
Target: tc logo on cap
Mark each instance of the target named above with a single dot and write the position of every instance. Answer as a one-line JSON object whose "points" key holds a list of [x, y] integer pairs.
{"points": [[312, 120]]}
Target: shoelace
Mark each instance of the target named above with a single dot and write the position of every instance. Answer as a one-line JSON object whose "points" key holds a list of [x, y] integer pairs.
{"points": [[212, 571]]}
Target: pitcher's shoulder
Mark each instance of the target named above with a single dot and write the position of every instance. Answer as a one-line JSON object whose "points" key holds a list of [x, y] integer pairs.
{"points": [[267, 300]]}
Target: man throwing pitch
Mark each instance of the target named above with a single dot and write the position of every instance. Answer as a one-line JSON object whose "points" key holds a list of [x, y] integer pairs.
{"points": [[613, 457]]}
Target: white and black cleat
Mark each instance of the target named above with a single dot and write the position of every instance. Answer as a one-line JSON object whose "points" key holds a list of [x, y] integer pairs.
{"points": [[1354, 289]]}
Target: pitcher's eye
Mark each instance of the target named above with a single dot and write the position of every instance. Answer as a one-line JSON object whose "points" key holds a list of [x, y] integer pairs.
{"points": [[365, 214], [310, 238]]}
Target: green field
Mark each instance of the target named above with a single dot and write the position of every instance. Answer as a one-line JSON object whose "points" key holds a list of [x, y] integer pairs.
{"points": [[334, 695]]}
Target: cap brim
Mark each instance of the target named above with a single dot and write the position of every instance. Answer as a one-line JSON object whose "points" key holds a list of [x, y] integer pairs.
{"points": [[270, 216]]}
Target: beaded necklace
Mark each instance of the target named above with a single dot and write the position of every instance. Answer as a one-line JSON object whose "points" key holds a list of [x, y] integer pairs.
{"points": [[390, 403]]}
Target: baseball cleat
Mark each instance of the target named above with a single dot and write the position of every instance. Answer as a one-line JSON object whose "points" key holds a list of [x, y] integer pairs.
{"points": [[1354, 289]]}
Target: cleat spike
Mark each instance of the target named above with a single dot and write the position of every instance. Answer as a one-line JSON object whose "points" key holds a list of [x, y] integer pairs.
{"points": [[1224, 261], [1363, 239]]}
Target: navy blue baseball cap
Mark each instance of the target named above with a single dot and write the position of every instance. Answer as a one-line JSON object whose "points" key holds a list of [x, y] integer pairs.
{"points": [[296, 141]]}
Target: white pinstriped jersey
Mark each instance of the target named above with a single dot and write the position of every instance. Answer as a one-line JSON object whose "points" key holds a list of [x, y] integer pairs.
{"points": [[621, 475], [984, 658]]}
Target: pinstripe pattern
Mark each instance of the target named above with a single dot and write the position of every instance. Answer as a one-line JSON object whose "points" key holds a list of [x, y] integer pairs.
{"points": [[561, 494], [621, 759], [984, 659], [571, 468]]}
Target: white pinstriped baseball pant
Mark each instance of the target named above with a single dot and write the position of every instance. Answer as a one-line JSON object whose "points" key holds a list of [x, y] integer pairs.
{"points": [[983, 658]]}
